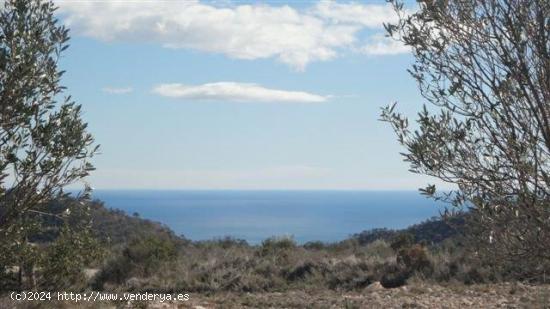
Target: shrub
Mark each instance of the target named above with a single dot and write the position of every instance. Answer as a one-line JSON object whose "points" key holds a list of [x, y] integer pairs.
{"points": [[61, 265], [277, 244], [414, 258], [379, 249], [301, 271], [149, 252], [402, 240], [349, 276], [142, 257], [394, 276]]}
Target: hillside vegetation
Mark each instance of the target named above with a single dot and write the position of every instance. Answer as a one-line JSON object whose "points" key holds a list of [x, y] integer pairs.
{"points": [[414, 266], [147, 256]]}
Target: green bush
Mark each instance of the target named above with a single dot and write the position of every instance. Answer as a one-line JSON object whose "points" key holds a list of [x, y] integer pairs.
{"points": [[141, 258], [149, 252], [277, 244], [402, 240], [62, 263]]}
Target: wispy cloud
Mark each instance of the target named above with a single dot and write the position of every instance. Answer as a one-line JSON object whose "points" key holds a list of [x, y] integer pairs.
{"points": [[117, 90], [367, 15], [236, 92], [293, 36], [382, 45]]}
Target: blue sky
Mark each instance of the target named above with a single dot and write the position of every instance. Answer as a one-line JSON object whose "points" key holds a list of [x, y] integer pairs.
{"points": [[196, 95]]}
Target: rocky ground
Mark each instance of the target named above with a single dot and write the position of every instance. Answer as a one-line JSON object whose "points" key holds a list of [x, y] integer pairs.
{"points": [[418, 295]]}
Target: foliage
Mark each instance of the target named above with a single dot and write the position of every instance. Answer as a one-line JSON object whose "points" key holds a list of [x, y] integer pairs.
{"points": [[115, 229], [394, 276], [402, 240], [61, 266], [44, 144], [275, 244], [431, 231], [411, 258], [484, 68], [144, 256], [414, 258], [150, 257], [149, 252], [141, 257]]}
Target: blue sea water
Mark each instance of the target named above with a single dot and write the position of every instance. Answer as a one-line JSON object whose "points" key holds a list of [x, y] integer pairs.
{"points": [[255, 215]]}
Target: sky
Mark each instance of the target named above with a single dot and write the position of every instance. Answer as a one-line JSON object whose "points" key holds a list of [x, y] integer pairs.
{"points": [[240, 95]]}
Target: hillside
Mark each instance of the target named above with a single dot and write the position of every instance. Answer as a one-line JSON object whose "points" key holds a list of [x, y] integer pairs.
{"points": [[117, 228], [432, 231]]}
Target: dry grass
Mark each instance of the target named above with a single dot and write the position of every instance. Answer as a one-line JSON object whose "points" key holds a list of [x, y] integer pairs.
{"points": [[279, 265]]}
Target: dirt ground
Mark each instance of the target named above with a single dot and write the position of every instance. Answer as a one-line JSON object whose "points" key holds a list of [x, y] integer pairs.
{"points": [[374, 296], [506, 295]]}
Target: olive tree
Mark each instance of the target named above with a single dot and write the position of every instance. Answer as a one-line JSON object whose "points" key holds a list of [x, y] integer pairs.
{"points": [[44, 143], [484, 68]]}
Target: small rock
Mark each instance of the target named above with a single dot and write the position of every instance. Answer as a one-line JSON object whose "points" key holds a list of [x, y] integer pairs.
{"points": [[375, 286]]}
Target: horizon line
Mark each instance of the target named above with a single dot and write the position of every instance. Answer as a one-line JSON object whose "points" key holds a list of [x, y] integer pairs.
{"points": [[248, 189]]}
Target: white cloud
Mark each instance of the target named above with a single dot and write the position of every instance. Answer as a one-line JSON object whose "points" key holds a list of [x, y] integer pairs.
{"points": [[117, 90], [382, 45], [367, 15], [292, 36], [236, 92]]}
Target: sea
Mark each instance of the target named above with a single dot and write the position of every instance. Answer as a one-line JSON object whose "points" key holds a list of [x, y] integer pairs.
{"points": [[327, 216]]}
